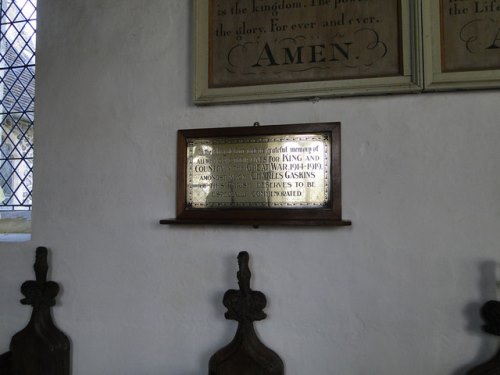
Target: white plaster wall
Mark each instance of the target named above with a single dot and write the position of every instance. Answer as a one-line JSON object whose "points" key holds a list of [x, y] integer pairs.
{"points": [[397, 292]]}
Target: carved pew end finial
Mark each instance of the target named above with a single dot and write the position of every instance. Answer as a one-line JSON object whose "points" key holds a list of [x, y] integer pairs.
{"points": [[246, 354]]}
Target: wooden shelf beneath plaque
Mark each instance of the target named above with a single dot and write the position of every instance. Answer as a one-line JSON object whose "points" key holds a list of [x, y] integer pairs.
{"points": [[280, 175], [258, 223]]}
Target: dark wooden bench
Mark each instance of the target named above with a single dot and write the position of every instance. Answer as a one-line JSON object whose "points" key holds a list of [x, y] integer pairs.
{"points": [[245, 354], [40, 348]]}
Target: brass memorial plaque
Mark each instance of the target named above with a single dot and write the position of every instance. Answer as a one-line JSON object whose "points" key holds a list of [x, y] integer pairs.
{"points": [[272, 171], [259, 175]]}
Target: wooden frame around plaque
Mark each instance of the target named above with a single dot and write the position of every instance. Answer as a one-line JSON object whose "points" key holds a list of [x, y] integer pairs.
{"points": [[254, 50], [461, 44], [276, 175]]}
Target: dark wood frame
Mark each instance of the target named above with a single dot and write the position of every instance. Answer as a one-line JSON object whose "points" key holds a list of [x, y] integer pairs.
{"points": [[330, 215]]}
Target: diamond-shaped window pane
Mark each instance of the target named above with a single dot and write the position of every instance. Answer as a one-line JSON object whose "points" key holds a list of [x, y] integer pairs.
{"points": [[17, 98], [18, 90], [18, 44], [16, 178], [18, 10], [17, 138]]}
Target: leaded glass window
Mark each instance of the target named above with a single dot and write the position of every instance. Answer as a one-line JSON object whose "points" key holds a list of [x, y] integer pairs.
{"points": [[17, 100]]}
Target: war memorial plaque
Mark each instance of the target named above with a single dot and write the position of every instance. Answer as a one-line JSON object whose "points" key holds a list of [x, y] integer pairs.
{"points": [[263, 171], [281, 173]]}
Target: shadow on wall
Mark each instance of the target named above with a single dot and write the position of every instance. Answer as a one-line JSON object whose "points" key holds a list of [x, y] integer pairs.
{"points": [[230, 327], [489, 346], [202, 364]]}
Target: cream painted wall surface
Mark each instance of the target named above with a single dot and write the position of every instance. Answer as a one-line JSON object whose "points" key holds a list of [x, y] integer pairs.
{"points": [[397, 292]]}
